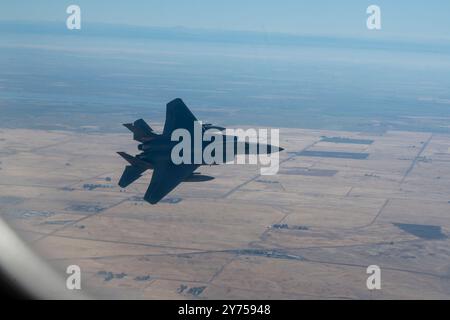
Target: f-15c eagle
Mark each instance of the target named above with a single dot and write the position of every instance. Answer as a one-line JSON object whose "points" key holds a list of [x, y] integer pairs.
{"points": [[157, 152]]}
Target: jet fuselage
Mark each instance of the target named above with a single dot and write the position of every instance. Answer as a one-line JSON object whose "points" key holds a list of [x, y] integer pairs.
{"points": [[160, 149]]}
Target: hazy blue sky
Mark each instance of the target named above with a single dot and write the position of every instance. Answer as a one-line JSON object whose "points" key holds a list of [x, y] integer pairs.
{"points": [[421, 19]]}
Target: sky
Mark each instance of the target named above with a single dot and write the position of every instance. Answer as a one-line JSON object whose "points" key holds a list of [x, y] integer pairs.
{"points": [[327, 82], [400, 18]]}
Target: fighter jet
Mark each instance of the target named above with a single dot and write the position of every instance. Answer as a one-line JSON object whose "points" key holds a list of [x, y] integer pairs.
{"points": [[157, 148]]}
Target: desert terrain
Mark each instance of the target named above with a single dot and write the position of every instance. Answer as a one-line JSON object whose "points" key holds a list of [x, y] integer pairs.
{"points": [[341, 201]]}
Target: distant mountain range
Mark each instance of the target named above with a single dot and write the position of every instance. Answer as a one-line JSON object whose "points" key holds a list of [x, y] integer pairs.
{"points": [[375, 42]]}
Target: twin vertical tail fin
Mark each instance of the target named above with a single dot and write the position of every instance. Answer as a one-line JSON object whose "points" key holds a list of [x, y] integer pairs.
{"points": [[142, 132]]}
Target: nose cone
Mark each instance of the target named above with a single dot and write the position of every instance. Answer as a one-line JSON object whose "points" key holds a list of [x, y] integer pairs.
{"points": [[274, 149]]}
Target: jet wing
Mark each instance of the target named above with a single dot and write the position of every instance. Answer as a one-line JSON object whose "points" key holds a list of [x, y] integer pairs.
{"points": [[166, 176], [178, 116]]}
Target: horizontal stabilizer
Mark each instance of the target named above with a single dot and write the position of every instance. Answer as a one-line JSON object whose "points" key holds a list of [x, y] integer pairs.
{"points": [[136, 162], [142, 132], [130, 175]]}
